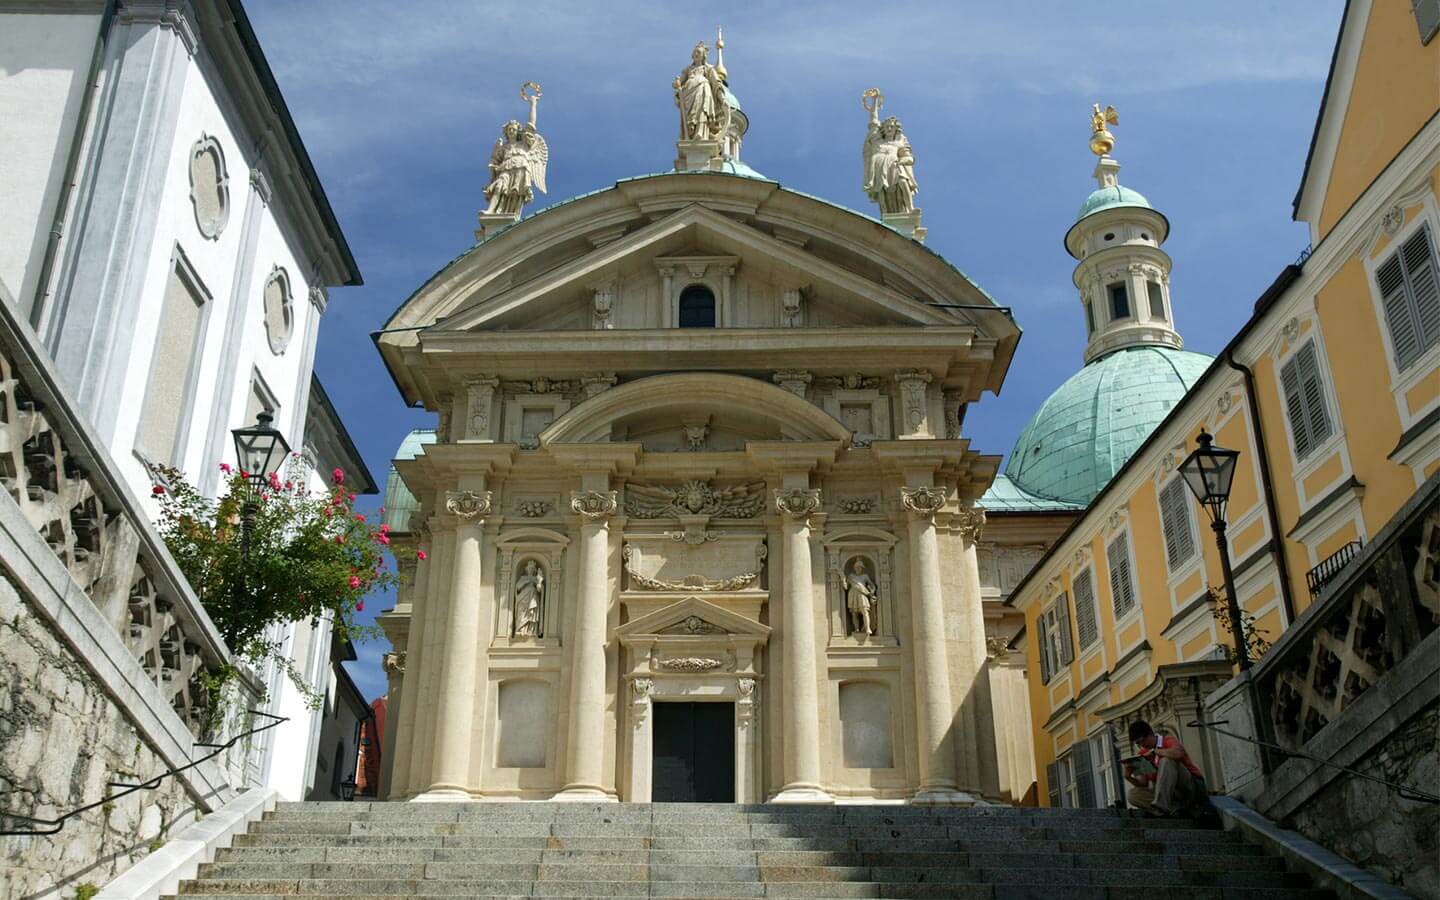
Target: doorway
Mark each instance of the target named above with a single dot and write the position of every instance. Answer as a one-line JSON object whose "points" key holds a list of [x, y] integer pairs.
{"points": [[694, 753]]}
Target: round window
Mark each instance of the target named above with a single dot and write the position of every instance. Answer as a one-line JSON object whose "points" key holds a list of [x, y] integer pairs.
{"points": [[209, 186], [279, 310], [1109, 235]]}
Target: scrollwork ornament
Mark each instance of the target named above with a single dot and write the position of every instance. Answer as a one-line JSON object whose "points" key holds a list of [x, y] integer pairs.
{"points": [[797, 502], [923, 501], [1393, 219], [594, 505], [969, 522], [468, 504], [641, 688]]}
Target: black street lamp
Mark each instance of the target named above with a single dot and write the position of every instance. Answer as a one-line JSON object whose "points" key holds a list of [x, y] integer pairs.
{"points": [[347, 788], [260, 450], [1209, 472]]}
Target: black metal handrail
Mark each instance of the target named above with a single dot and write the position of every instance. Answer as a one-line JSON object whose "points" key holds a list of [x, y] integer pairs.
{"points": [[1330, 566], [1405, 791], [148, 785]]}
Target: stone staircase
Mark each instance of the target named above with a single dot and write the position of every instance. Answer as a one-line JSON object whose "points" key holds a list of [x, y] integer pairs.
{"points": [[361, 849]]}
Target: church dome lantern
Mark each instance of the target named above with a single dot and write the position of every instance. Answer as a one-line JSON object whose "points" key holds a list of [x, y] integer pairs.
{"points": [[1123, 272]]}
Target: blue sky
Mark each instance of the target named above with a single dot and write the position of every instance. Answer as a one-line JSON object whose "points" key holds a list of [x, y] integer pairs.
{"points": [[399, 104]]}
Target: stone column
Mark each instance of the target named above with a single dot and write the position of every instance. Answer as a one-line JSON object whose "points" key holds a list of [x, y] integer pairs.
{"points": [[400, 717], [585, 749], [802, 701], [394, 665], [455, 707], [426, 655], [934, 709]]}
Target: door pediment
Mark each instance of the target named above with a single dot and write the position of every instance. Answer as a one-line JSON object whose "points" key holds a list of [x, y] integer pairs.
{"points": [[692, 619]]}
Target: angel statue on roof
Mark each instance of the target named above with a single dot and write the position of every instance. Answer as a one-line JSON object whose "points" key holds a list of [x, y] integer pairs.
{"points": [[517, 164], [700, 94], [889, 162]]}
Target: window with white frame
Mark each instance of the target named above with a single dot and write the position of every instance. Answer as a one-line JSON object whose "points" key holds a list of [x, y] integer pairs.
{"points": [[1305, 405], [1102, 768], [1056, 649], [1087, 626], [1122, 585], [1409, 284], [1175, 522]]}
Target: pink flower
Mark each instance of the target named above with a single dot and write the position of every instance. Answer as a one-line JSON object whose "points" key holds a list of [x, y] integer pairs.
{"points": [[383, 538], [359, 517], [338, 476], [354, 581], [158, 489], [329, 512], [274, 481], [244, 474], [384, 529], [421, 555], [289, 485], [352, 498], [225, 467], [360, 606], [339, 538]]}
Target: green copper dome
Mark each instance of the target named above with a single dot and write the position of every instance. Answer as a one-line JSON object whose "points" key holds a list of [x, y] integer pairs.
{"points": [[1090, 426], [1110, 197], [400, 504]]}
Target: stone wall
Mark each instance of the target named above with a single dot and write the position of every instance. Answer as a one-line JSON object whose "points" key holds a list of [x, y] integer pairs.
{"points": [[62, 738], [1396, 838]]}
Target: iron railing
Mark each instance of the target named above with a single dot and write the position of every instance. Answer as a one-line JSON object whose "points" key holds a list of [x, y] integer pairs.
{"points": [[1330, 566], [53, 826]]}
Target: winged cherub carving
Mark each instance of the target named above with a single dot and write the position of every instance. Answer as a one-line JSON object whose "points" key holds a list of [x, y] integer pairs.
{"points": [[694, 498], [517, 163]]}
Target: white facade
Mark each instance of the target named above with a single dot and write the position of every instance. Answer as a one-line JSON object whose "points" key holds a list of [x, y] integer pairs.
{"points": [[179, 285]]}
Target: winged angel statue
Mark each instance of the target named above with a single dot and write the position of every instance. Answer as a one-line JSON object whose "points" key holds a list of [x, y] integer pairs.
{"points": [[694, 498], [517, 164]]}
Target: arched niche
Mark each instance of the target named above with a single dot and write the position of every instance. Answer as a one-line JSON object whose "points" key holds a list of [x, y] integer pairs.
{"points": [[515, 548], [875, 548]]}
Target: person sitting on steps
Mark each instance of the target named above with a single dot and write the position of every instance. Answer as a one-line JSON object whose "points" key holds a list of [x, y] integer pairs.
{"points": [[1167, 782]]}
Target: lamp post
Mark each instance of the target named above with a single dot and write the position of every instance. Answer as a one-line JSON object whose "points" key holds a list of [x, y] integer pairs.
{"points": [[347, 788], [260, 450], [1209, 472]]}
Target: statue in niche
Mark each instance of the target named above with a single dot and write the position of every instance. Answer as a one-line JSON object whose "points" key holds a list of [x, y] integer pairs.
{"points": [[530, 600], [861, 597], [517, 164], [700, 94], [889, 161]]}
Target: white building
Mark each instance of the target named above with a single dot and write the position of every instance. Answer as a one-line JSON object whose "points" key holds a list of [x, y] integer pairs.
{"points": [[167, 237]]}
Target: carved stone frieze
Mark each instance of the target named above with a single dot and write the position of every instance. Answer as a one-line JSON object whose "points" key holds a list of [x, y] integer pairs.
{"points": [[852, 382], [480, 397], [797, 502], [597, 383], [691, 582], [542, 385], [856, 506], [691, 663], [923, 501], [912, 384], [594, 505], [468, 504], [693, 625], [533, 509], [694, 497]]}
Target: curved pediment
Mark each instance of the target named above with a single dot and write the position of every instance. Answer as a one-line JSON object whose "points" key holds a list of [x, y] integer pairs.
{"points": [[764, 410]]}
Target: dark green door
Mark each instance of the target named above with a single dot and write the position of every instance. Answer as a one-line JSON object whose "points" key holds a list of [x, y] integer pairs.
{"points": [[694, 746]]}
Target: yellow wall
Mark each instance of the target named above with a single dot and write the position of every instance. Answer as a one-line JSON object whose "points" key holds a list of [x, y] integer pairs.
{"points": [[1395, 92]]}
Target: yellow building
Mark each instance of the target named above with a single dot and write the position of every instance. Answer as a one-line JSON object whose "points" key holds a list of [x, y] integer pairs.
{"points": [[1331, 393]]}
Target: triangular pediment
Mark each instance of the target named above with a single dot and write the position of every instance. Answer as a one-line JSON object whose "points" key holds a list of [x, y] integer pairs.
{"points": [[692, 244], [692, 617]]}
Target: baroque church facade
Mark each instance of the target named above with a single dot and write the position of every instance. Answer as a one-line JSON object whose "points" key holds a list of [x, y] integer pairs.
{"points": [[699, 521]]}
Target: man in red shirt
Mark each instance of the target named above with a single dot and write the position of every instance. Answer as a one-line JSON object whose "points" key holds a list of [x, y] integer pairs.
{"points": [[1172, 784]]}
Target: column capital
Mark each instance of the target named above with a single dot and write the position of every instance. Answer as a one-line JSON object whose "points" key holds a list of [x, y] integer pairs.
{"points": [[923, 502], [797, 503], [394, 663], [468, 504], [594, 506]]}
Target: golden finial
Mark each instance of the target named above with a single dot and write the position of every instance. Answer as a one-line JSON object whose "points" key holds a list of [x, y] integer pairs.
{"points": [[720, 55], [1101, 140]]}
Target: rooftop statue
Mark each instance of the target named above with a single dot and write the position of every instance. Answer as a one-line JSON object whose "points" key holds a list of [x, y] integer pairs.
{"points": [[700, 95], [517, 164], [889, 162]]}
